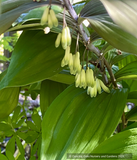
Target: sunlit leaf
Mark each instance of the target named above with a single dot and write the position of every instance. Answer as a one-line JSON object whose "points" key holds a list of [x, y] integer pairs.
{"points": [[123, 13], [124, 142]]}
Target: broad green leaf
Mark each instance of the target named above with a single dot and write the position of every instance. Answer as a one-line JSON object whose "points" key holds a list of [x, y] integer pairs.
{"points": [[34, 58], [132, 114], [80, 123], [3, 157], [127, 72], [11, 145], [8, 100], [7, 18], [49, 91], [20, 146], [124, 142], [9, 5], [123, 13], [95, 8], [63, 77], [96, 14]]}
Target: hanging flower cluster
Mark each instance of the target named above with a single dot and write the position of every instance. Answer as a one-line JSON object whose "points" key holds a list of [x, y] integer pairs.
{"points": [[83, 78]]}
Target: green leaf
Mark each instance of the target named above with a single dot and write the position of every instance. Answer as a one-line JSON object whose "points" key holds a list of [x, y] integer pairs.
{"points": [[36, 146], [78, 7], [124, 142], [36, 50], [133, 125], [10, 155], [31, 136], [32, 158], [132, 96], [34, 95], [3, 58], [123, 13], [49, 91], [36, 119], [6, 129], [128, 59], [2, 157], [118, 58], [8, 100], [32, 126], [80, 123], [131, 83], [20, 146], [132, 114], [63, 77], [21, 157], [127, 72], [7, 18], [11, 145], [16, 114], [95, 12]]}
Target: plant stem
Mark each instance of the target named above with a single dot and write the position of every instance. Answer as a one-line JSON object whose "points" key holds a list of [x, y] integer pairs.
{"points": [[23, 106], [110, 73]]}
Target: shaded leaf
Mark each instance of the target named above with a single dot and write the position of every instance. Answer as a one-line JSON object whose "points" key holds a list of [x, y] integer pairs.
{"points": [[32, 126], [16, 114], [7, 18], [132, 114], [2, 157], [49, 91], [20, 146], [36, 146], [127, 72], [31, 136], [8, 100], [36, 119], [41, 54], [133, 125], [118, 58], [11, 145], [80, 123], [63, 77], [9, 155]]}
